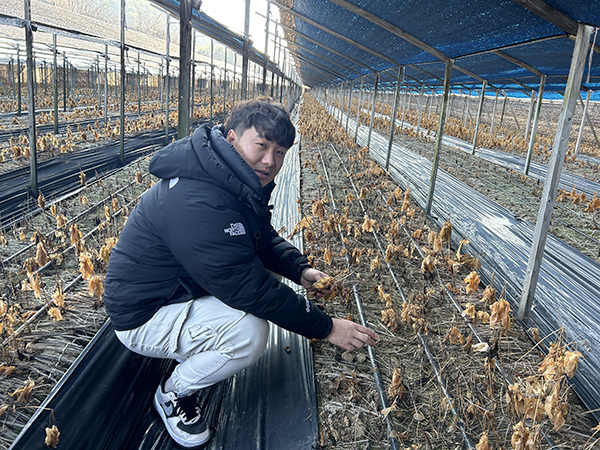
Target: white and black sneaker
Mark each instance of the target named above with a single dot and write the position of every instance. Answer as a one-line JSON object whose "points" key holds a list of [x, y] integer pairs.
{"points": [[182, 418]]}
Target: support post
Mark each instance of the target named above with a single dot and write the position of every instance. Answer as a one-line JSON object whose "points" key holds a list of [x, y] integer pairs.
{"points": [[185, 53], [19, 106], [359, 107], [167, 80], [479, 110], [373, 109], [585, 108], [529, 114], [439, 136], [559, 149], [212, 77], [122, 105], [394, 112], [234, 74], [405, 98], [192, 78], [139, 88], [55, 83], [340, 101], [536, 119], [351, 89], [98, 81], [73, 79], [225, 85], [590, 123], [275, 59], [282, 78], [467, 102], [31, 100], [11, 76], [494, 112], [266, 59], [65, 78], [105, 84], [160, 85], [420, 106], [503, 107], [246, 51]]}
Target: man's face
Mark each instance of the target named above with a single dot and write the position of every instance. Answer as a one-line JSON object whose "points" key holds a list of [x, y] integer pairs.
{"points": [[264, 156]]}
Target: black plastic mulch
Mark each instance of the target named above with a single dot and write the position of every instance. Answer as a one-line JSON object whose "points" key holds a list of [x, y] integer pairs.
{"points": [[60, 175]]}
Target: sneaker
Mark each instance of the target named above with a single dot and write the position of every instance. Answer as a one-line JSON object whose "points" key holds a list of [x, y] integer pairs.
{"points": [[182, 418]]}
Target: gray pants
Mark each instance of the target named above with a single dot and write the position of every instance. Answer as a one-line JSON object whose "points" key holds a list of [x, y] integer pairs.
{"points": [[210, 340]]}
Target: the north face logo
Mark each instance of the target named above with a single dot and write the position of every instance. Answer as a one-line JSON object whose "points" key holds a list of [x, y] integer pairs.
{"points": [[236, 229]]}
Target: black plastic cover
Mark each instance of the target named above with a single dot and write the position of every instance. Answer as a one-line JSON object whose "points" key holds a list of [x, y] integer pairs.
{"points": [[105, 401]]}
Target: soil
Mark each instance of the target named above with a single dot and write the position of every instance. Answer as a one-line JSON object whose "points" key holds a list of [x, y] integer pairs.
{"points": [[416, 321]]}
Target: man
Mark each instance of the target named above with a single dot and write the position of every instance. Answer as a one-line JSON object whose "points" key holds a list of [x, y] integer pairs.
{"points": [[190, 278]]}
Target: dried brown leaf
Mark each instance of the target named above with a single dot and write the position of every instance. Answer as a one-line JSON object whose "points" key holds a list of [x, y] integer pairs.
{"points": [[52, 436], [96, 288], [55, 314], [23, 393], [472, 281]]}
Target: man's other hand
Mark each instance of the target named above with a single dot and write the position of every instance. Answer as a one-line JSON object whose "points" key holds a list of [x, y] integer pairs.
{"points": [[350, 335]]}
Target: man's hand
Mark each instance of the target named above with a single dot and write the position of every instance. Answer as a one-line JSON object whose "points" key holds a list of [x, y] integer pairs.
{"points": [[310, 276], [349, 335]]}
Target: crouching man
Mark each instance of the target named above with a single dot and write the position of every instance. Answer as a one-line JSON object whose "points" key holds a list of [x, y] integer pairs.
{"points": [[190, 278]]}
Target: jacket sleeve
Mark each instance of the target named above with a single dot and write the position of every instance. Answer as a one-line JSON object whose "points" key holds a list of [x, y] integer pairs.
{"points": [[208, 237], [283, 258]]}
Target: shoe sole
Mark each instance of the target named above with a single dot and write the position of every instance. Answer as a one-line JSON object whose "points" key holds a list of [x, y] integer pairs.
{"points": [[176, 438]]}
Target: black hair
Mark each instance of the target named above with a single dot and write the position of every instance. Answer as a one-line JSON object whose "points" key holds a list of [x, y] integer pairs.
{"points": [[269, 118]]}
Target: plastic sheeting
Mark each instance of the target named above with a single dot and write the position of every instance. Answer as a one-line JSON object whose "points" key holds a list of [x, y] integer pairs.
{"points": [[60, 175], [537, 171], [105, 400], [568, 289]]}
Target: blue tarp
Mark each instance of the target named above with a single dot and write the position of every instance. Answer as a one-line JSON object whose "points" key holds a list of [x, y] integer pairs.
{"points": [[467, 32]]}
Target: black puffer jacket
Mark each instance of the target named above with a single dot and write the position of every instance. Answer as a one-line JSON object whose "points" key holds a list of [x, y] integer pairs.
{"points": [[204, 228]]}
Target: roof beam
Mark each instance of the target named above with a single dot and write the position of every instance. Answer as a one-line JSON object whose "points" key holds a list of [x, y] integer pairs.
{"points": [[518, 62], [391, 28], [473, 75], [528, 89], [555, 17], [329, 49], [319, 56], [412, 66], [335, 33], [424, 72], [322, 57], [315, 64], [551, 14]]}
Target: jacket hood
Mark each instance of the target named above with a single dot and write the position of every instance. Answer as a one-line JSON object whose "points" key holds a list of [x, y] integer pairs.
{"points": [[210, 154]]}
